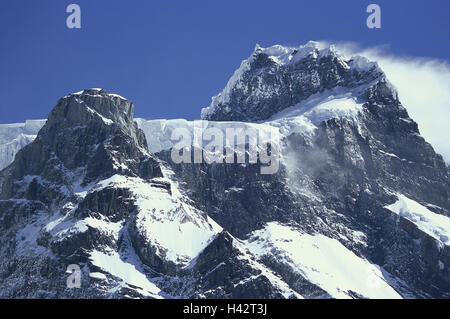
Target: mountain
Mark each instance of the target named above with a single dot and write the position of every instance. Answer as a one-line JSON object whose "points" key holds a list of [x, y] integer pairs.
{"points": [[278, 77], [359, 207]]}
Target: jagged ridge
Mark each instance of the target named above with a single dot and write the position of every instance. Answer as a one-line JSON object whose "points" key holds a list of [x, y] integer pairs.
{"points": [[349, 184]]}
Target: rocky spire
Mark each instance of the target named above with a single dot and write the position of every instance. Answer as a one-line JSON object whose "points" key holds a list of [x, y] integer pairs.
{"points": [[91, 132]]}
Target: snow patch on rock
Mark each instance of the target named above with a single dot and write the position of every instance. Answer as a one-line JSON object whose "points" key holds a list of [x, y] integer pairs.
{"points": [[435, 225]]}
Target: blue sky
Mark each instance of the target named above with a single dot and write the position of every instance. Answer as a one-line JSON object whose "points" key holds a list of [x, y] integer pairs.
{"points": [[170, 57]]}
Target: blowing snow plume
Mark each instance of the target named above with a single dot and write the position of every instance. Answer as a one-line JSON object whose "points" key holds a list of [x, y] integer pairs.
{"points": [[423, 85]]}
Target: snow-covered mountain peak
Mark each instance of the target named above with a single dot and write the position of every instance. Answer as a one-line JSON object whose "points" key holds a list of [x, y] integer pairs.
{"points": [[285, 55], [91, 104], [278, 77], [290, 55]]}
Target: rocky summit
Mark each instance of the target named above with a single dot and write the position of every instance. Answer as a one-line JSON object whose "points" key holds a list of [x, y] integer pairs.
{"points": [[358, 209]]}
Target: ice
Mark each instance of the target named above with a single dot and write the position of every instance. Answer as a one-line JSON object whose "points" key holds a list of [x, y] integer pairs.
{"points": [[15, 136], [284, 55]]}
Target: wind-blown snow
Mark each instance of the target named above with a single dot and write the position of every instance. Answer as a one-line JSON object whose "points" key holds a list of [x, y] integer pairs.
{"points": [[158, 132], [423, 85], [323, 261], [435, 225], [9, 150]]}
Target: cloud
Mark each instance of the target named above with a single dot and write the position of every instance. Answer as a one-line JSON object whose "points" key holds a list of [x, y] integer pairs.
{"points": [[423, 85]]}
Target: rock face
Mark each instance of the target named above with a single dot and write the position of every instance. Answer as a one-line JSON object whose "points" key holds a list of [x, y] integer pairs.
{"points": [[359, 208], [275, 78]]}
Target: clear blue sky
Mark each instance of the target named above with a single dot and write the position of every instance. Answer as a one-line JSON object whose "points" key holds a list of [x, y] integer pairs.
{"points": [[170, 57]]}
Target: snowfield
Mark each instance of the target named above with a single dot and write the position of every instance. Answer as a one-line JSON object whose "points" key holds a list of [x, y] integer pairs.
{"points": [[323, 261]]}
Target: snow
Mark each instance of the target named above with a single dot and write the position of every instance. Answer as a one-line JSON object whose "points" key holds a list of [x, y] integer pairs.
{"points": [[63, 226], [234, 189], [335, 108], [117, 95], [389, 154], [104, 119], [335, 103], [284, 55], [124, 265], [70, 228], [129, 273], [177, 230], [97, 275], [282, 286], [26, 240], [361, 63], [98, 90], [301, 118], [323, 261], [15, 136], [435, 225], [159, 132]]}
